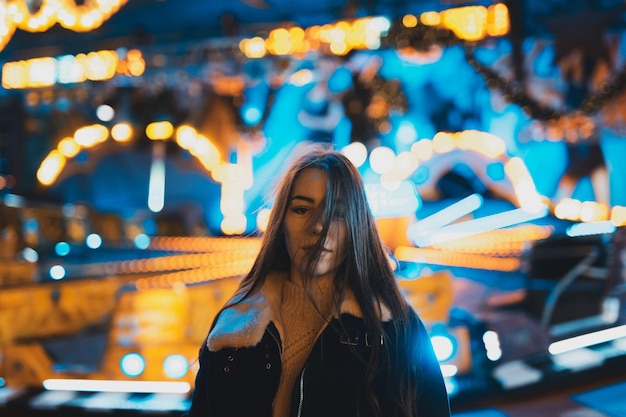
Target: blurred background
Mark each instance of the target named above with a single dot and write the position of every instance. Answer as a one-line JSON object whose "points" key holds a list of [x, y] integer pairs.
{"points": [[140, 141]]}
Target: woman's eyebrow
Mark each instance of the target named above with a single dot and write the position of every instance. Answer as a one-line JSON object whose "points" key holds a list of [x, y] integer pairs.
{"points": [[302, 197]]}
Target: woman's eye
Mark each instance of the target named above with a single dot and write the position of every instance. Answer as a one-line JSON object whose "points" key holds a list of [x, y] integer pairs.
{"points": [[300, 210]]}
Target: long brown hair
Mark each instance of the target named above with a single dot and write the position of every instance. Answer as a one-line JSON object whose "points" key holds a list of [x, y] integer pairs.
{"points": [[365, 270]]}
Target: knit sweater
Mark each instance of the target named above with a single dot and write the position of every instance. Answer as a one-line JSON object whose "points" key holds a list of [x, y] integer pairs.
{"points": [[302, 324]]}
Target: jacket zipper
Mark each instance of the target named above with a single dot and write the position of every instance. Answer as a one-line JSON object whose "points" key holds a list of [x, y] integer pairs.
{"points": [[280, 352], [276, 339], [301, 392]]}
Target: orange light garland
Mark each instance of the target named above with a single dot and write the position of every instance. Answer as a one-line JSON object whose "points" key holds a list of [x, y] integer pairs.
{"points": [[79, 18]]}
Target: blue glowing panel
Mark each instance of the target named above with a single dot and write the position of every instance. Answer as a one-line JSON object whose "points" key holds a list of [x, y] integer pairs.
{"points": [[392, 203]]}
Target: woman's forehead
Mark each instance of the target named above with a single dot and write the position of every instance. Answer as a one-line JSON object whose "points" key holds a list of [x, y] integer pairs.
{"points": [[311, 182]]}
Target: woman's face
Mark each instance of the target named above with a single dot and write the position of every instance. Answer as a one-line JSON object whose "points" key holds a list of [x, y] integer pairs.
{"points": [[302, 226]]}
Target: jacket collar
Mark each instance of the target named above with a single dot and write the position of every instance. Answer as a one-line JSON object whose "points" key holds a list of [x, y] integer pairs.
{"points": [[243, 324]]}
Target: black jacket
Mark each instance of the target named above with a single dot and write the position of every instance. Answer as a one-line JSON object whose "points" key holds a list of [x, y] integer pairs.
{"points": [[242, 381]]}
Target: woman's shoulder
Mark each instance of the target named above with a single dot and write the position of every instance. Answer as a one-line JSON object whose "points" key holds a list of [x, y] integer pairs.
{"points": [[243, 321], [351, 306]]}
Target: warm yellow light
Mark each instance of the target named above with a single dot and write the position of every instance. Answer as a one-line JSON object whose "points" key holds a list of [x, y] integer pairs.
{"points": [[68, 14], [512, 241], [515, 168], [262, 219], [159, 130], [296, 33], [186, 136], [339, 48], [253, 48], [468, 23], [14, 75], [591, 211], [618, 216], [136, 65], [121, 132], [92, 135], [301, 77], [233, 224], [482, 142], [100, 65], [568, 209], [50, 167], [41, 72], [430, 18], [356, 152], [206, 152], [340, 38], [443, 142], [453, 258], [409, 21], [527, 196], [68, 147], [498, 20]]}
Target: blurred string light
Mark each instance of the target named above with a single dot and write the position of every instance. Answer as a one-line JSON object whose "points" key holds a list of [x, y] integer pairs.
{"points": [[235, 261], [62, 248], [394, 168], [132, 364], [93, 241], [576, 210], [175, 366], [450, 258], [470, 23], [84, 137], [92, 135], [511, 241], [70, 14], [356, 152], [337, 38], [57, 272], [105, 113], [204, 244], [70, 69], [141, 241], [491, 340], [473, 23], [30, 255]]}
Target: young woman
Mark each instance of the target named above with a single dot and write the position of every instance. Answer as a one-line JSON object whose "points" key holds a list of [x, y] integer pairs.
{"points": [[319, 327]]}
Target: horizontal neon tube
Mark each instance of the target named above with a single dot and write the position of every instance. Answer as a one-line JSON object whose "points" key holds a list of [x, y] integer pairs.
{"points": [[587, 340], [485, 224], [591, 228], [418, 232], [95, 385]]}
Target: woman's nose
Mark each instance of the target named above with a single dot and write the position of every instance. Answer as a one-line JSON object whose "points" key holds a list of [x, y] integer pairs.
{"points": [[316, 228]]}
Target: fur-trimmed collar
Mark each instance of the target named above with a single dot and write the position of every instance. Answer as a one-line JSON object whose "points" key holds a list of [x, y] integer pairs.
{"points": [[243, 324]]}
